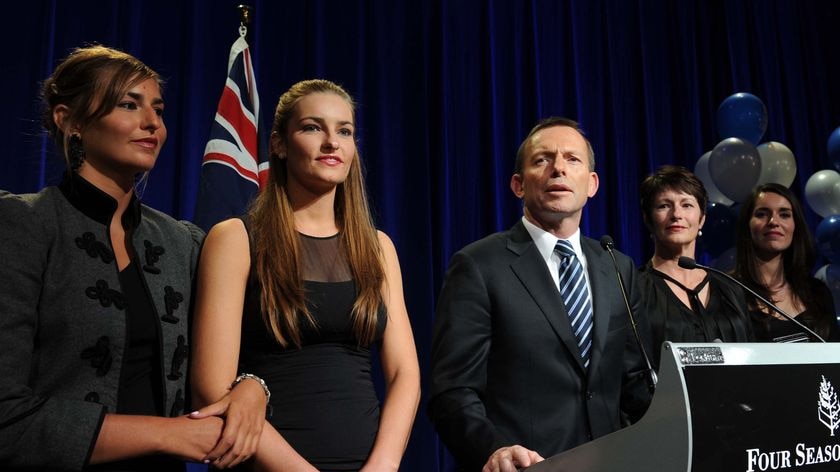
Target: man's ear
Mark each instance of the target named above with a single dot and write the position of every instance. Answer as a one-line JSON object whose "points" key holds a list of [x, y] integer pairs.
{"points": [[517, 186], [594, 183]]}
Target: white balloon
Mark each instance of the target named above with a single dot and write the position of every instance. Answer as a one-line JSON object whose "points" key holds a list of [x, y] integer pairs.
{"points": [[777, 164], [822, 192], [822, 273], [701, 170], [734, 165]]}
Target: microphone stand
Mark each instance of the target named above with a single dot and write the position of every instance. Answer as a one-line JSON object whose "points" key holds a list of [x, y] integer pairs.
{"points": [[607, 244], [689, 263]]}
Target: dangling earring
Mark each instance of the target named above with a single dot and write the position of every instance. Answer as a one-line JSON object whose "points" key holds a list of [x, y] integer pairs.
{"points": [[75, 151]]}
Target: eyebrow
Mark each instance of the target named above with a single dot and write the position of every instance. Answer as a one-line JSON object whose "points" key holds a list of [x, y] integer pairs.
{"points": [[783, 208], [322, 120], [139, 97], [680, 199]]}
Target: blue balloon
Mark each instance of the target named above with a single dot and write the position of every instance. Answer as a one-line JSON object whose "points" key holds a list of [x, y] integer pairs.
{"points": [[828, 238], [834, 149], [718, 230], [744, 116]]}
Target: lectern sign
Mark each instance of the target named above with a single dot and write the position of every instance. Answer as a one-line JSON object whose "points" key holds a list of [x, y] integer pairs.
{"points": [[764, 417], [724, 407], [828, 409]]}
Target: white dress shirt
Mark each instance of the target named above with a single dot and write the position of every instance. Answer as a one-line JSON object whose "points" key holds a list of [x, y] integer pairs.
{"points": [[546, 242]]}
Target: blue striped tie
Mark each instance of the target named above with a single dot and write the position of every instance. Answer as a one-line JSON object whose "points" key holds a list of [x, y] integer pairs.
{"points": [[576, 297]]}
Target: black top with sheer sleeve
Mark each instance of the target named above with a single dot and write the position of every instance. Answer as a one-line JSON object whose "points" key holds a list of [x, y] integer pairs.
{"points": [[323, 400]]}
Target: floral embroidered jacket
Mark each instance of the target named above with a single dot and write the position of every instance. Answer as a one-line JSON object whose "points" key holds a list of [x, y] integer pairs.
{"points": [[63, 320]]}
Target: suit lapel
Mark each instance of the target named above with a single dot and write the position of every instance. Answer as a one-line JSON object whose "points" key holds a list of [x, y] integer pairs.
{"points": [[531, 270], [602, 282]]}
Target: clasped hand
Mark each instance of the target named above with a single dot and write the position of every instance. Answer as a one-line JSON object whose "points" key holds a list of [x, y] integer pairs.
{"points": [[243, 409]]}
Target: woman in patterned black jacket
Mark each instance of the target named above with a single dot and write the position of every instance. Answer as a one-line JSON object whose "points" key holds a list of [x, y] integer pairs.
{"points": [[97, 288]]}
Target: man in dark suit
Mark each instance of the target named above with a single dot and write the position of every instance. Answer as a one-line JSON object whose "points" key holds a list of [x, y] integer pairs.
{"points": [[512, 382]]}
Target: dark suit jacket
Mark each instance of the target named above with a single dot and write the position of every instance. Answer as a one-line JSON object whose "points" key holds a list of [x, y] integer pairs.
{"points": [[505, 364]]}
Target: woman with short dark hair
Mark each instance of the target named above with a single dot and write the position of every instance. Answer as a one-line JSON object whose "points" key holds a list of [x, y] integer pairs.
{"points": [[684, 305]]}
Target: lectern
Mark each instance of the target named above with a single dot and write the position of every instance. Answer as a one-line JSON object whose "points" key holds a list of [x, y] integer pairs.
{"points": [[728, 407]]}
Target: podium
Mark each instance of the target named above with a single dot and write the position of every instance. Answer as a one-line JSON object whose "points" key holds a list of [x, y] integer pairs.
{"points": [[750, 407]]}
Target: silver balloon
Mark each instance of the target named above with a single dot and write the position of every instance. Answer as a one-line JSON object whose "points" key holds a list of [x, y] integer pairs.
{"points": [[777, 164], [701, 170], [734, 165], [822, 192]]}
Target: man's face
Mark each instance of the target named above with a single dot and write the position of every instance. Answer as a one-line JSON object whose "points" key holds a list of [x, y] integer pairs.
{"points": [[556, 180]]}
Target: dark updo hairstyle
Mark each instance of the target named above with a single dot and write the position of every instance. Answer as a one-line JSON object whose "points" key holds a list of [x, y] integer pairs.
{"points": [[90, 82]]}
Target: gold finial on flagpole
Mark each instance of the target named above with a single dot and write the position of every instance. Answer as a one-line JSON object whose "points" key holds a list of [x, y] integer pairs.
{"points": [[244, 18]]}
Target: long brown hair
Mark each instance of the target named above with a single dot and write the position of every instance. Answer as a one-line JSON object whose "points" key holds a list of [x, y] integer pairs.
{"points": [[797, 260], [90, 82], [277, 244]]}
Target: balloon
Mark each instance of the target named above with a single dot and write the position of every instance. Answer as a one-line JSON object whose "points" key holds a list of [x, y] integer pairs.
{"points": [[828, 238], [834, 148], [735, 166], [822, 192], [718, 229], [830, 274], [743, 116], [777, 164], [701, 170]]}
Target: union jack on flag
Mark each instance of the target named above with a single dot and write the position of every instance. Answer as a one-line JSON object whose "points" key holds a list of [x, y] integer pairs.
{"points": [[235, 164]]}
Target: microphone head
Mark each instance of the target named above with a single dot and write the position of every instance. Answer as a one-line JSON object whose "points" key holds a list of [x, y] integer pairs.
{"points": [[607, 242], [687, 263]]}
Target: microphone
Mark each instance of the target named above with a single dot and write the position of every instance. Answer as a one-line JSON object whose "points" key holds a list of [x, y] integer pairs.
{"points": [[607, 244], [689, 263]]}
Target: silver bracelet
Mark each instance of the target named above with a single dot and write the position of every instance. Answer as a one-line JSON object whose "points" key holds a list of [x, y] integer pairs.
{"points": [[242, 377]]}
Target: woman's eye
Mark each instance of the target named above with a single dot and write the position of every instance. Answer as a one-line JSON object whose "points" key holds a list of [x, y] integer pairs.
{"points": [[128, 105], [345, 132], [310, 128]]}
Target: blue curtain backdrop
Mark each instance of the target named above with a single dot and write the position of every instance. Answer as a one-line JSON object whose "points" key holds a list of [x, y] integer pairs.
{"points": [[446, 91]]}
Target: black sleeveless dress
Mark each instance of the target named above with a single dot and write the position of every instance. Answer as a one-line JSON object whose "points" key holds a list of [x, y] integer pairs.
{"points": [[323, 400]]}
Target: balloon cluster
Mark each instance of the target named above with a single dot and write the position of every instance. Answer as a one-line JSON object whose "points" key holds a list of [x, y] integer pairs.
{"points": [[822, 192], [735, 166], [738, 163]]}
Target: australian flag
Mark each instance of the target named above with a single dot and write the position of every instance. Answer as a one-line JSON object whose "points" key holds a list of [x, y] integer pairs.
{"points": [[235, 163]]}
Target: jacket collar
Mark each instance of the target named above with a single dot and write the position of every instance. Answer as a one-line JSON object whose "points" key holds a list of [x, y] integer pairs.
{"points": [[95, 203]]}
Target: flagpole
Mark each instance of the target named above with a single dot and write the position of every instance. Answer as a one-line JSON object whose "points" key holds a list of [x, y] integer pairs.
{"points": [[245, 15]]}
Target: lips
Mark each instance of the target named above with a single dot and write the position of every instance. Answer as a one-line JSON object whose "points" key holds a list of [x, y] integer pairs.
{"points": [[330, 160], [150, 143], [774, 234], [558, 188]]}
